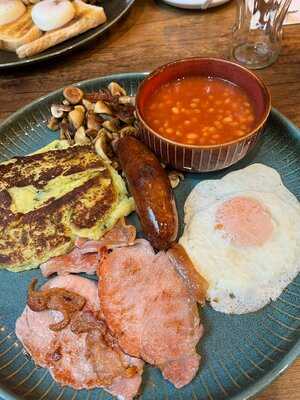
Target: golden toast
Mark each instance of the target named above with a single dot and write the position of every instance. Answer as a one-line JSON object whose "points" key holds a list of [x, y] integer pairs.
{"points": [[18, 33], [87, 17]]}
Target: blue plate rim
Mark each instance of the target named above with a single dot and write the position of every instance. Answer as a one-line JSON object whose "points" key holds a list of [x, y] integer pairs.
{"points": [[260, 384]]}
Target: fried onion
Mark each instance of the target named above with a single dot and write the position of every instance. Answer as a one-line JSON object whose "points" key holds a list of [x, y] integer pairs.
{"points": [[102, 349], [57, 299]]}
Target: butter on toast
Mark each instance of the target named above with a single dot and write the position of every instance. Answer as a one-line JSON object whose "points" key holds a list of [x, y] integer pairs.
{"points": [[87, 17], [18, 33]]}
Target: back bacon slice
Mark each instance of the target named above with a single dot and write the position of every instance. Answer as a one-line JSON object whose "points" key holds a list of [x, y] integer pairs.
{"points": [[150, 311], [82, 353]]}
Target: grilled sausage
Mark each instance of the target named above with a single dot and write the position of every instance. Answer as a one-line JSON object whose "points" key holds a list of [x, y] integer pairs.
{"points": [[151, 190]]}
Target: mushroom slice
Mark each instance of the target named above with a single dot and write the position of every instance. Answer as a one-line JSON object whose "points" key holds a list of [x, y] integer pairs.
{"points": [[127, 100], [64, 132], [93, 121], [91, 133], [101, 108], [73, 94], [76, 117], [58, 110], [128, 130], [53, 124], [80, 108], [175, 178], [111, 125], [88, 105], [116, 90], [80, 136], [101, 146]]}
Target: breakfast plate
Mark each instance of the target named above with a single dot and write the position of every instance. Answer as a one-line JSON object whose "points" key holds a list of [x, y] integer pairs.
{"points": [[196, 4], [114, 10], [241, 354]]}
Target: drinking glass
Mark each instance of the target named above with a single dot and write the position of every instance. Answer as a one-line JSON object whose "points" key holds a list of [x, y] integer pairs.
{"points": [[257, 34]]}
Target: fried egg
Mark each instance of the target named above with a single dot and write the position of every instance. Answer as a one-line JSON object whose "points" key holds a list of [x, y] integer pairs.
{"points": [[242, 233]]}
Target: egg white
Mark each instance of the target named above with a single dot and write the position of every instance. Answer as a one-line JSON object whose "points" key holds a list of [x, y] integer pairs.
{"points": [[243, 279], [11, 11], [49, 15]]}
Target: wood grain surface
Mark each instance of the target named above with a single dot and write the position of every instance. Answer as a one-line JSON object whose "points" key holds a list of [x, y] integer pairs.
{"points": [[151, 34]]}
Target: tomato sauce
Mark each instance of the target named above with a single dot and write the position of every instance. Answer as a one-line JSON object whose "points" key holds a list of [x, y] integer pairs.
{"points": [[200, 111]]}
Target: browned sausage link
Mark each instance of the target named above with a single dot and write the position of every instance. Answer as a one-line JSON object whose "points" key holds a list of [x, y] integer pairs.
{"points": [[151, 190]]}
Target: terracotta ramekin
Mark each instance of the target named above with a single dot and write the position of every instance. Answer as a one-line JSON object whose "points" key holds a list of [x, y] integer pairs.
{"points": [[212, 157]]}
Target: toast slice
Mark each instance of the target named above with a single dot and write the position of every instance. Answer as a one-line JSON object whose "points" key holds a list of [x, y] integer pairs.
{"points": [[86, 17], [18, 33]]}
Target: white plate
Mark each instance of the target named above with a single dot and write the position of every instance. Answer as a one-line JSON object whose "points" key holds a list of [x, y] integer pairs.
{"points": [[195, 4]]}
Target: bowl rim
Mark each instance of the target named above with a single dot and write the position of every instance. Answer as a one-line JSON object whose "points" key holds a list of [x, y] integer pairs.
{"points": [[255, 130]]}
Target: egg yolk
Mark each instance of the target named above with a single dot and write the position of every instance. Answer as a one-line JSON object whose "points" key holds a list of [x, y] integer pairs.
{"points": [[245, 221]]}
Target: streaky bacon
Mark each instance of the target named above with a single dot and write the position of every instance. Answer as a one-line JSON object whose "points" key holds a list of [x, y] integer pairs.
{"points": [[85, 256], [196, 284], [74, 262], [120, 235]]}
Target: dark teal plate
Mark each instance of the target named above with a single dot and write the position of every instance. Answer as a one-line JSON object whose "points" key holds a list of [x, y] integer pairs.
{"points": [[114, 10], [241, 354]]}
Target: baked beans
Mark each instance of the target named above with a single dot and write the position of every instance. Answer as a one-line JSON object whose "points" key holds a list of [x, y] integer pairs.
{"points": [[200, 111]]}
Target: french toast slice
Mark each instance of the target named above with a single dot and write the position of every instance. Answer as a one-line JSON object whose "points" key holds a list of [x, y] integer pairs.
{"points": [[87, 17], [18, 33]]}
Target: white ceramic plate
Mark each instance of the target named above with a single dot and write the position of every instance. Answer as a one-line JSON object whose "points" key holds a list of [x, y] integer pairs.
{"points": [[195, 4]]}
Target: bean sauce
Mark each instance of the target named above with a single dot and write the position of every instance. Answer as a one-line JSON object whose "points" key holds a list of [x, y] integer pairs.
{"points": [[200, 111]]}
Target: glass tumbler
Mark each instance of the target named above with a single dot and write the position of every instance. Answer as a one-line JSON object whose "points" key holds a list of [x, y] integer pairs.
{"points": [[257, 34]]}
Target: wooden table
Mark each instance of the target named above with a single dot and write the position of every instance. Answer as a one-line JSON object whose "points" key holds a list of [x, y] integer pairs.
{"points": [[152, 34]]}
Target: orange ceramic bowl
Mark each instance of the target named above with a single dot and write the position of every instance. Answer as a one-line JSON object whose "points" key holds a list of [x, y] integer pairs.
{"points": [[203, 158]]}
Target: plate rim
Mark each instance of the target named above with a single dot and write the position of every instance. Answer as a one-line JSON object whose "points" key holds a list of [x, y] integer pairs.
{"points": [[81, 42], [258, 385], [195, 6]]}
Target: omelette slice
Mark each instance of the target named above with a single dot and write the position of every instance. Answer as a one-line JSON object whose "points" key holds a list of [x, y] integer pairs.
{"points": [[50, 198]]}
